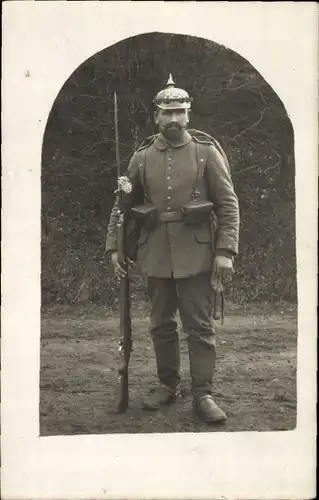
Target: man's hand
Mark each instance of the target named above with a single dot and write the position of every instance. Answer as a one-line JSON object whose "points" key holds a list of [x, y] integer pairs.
{"points": [[118, 269], [223, 265]]}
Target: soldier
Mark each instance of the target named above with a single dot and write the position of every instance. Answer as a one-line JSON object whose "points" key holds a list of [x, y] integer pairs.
{"points": [[182, 176]]}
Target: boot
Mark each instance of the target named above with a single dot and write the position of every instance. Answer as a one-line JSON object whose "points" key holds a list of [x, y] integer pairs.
{"points": [[163, 395], [202, 356], [202, 360], [168, 370], [208, 411]]}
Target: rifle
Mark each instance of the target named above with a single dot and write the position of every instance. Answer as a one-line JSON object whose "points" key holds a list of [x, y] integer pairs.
{"points": [[125, 343]]}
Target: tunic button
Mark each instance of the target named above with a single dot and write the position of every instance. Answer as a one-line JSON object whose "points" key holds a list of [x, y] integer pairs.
{"points": [[169, 209], [169, 198], [168, 177], [170, 187]]}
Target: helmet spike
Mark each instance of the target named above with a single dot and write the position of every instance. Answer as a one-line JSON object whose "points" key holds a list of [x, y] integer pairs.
{"points": [[172, 97], [170, 81]]}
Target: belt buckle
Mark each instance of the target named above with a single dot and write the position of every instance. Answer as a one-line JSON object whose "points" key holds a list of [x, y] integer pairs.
{"points": [[170, 215]]}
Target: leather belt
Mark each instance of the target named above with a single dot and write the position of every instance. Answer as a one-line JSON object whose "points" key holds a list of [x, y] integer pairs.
{"points": [[170, 216]]}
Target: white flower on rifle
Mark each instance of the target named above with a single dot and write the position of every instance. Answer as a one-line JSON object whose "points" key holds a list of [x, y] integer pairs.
{"points": [[124, 184]]}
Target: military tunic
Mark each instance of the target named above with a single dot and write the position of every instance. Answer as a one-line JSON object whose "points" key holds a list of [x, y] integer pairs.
{"points": [[173, 249]]}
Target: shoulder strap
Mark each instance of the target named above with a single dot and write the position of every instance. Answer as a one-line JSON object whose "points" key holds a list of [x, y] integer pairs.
{"points": [[141, 166], [147, 142], [142, 161], [201, 159], [204, 138]]}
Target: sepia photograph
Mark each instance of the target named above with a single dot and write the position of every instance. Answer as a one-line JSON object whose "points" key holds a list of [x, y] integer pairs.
{"points": [[168, 304], [159, 250]]}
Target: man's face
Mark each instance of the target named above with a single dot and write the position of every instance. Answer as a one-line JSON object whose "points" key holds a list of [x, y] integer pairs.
{"points": [[172, 122]]}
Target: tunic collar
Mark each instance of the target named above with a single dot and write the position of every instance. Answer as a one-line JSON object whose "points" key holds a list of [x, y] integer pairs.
{"points": [[162, 143]]}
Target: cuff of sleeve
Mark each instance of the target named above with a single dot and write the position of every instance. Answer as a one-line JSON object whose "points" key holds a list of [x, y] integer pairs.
{"points": [[225, 253], [110, 251], [227, 243], [110, 247]]}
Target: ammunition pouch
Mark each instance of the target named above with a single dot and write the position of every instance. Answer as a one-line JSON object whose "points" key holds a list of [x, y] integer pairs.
{"points": [[146, 214], [196, 212]]}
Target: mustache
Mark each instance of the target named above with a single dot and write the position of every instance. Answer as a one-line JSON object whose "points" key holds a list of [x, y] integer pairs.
{"points": [[173, 126]]}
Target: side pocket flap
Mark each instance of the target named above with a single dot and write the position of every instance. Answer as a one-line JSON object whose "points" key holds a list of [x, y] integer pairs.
{"points": [[203, 234]]}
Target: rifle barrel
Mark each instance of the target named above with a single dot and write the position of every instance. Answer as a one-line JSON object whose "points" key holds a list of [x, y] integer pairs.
{"points": [[122, 394]]}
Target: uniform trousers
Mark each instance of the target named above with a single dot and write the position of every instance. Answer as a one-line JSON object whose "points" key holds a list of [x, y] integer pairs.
{"points": [[192, 297]]}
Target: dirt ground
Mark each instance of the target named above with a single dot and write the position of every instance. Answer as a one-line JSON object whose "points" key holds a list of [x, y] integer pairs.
{"points": [[255, 381]]}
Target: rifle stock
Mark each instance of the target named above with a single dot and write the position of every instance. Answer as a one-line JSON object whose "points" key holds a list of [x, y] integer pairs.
{"points": [[122, 396], [125, 346], [125, 343]]}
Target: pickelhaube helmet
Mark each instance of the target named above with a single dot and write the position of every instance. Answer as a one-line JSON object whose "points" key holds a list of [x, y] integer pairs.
{"points": [[172, 97]]}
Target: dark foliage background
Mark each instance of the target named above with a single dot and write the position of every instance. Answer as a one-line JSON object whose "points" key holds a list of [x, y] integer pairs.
{"points": [[231, 101]]}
